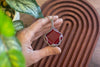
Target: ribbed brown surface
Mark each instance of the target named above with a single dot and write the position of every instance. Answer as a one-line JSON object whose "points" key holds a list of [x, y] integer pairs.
{"points": [[80, 30]]}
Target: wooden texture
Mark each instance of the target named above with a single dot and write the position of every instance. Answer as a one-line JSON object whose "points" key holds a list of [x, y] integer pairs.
{"points": [[80, 30]]}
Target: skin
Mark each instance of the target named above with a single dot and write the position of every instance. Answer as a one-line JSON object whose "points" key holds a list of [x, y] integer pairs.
{"points": [[32, 33]]}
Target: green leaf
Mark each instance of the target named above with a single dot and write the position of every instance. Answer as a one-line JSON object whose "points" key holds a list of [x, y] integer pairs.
{"points": [[6, 26], [18, 25], [11, 42], [10, 49], [26, 6], [1, 47], [4, 61], [12, 58], [10, 53], [16, 58]]}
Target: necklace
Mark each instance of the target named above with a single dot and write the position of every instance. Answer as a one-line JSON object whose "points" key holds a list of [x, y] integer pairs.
{"points": [[53, 37]]}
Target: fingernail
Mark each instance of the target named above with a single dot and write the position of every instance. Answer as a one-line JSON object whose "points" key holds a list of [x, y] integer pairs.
{"points": [[60, 20], [56, 16]]}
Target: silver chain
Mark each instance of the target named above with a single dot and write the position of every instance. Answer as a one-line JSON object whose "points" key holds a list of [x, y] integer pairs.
{"points": [[52, 23]]}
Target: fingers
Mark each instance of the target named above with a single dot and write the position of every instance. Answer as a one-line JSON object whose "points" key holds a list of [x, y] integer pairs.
{"points": [[57, 23], [45, 20], [35, 27], [46, 28]]}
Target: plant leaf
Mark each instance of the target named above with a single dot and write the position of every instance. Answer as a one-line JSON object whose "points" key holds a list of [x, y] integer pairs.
{"points": [[10, 57], [6, 26], [10, 49], [4, 61], [16, 57], [26, 6], [11, 42], [18, 25]]}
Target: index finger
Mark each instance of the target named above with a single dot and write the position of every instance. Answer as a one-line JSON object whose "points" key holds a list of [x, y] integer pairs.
{"points": [[47, 19]]}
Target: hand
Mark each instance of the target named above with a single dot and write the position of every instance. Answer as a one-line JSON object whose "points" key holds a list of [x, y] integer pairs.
{"points": [[33, 32]]}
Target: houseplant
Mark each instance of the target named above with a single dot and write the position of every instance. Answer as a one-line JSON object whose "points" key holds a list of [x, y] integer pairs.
{"points": [[10, 50]]}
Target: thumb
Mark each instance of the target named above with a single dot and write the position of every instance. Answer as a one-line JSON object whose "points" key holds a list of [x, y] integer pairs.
{"points": [[37, 55], [49, 51]]}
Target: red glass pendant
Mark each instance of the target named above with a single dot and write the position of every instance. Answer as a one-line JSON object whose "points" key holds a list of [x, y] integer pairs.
{"points": [[53, 37]]}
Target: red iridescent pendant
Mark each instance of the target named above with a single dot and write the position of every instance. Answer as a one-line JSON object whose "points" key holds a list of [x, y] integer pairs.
{"points": [[53, 37]]}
